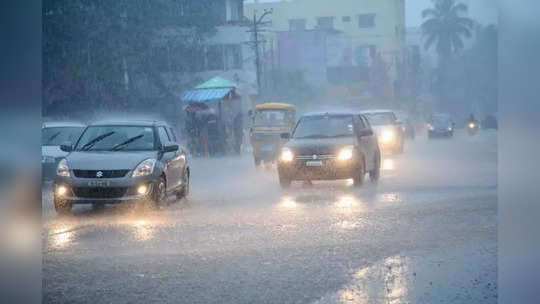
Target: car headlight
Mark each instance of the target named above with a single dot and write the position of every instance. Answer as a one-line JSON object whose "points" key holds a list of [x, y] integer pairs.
{"points": [[386, 136], [430, 127], [450, 129], [471, 125], [286, 155], [345, 153], [146, 167], [63, 168]]}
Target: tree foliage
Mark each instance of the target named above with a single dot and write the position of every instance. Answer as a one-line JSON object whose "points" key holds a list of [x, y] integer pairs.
{"points": [[95, 51]]}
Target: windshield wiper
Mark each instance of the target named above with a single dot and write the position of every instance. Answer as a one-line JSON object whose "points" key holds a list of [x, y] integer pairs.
{"points": [[126, 142], [91, 143]]}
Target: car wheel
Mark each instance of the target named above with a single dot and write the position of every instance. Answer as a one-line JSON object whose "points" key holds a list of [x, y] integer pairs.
{"points": [[159, 193], [62, 207], [185, 189], [284, 182], [358, 180], [376, 172]]}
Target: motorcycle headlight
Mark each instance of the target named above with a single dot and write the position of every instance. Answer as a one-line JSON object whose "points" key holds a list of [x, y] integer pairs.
{"points": [[386, 136], [471, 125], [286, 155], [63, 168], [450, 129], [345, 153], [146, 167]]}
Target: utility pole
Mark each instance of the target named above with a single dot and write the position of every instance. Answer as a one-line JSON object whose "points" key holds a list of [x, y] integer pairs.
{"points": [[256, 25]]}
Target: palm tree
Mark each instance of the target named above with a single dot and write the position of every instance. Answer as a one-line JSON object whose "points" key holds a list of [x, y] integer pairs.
{"points": [[446, 27]]}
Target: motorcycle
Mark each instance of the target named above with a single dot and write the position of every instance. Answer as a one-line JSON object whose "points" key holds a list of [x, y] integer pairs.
{"points": [[472, 127]]}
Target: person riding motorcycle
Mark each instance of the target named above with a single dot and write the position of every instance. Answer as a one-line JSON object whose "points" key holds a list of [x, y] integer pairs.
{"points": [[472, 124]]}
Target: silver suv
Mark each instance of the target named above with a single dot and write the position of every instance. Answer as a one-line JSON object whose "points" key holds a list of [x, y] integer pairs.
{"points": [[116, 161]]}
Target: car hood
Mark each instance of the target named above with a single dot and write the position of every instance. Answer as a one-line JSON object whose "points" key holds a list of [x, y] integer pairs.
{"points": [[52, 151], [107, 160], [319, 146]]}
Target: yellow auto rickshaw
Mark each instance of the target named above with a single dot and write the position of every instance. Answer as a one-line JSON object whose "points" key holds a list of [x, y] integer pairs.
{"points": [[269, 121]]}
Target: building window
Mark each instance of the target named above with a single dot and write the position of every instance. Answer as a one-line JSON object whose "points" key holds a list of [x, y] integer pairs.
{"points": [[236, 10], [325, 23], [297, 24], [233, 57], [346, 18], [214, 57], [366, 20]]}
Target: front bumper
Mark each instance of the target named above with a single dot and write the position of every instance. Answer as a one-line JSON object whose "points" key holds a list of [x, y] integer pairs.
{"points": [[103, 190], [331, 169]]}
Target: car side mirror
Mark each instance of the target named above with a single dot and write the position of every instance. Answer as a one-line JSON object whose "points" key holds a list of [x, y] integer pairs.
{"points": [[365, 132], [170, 148], [66, 147], [285, 136]]}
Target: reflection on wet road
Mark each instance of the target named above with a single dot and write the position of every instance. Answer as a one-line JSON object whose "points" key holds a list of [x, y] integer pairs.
{"points": [[418, 235]]}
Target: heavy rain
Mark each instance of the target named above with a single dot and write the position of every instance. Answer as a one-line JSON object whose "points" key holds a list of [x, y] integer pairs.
{"points": [[299, 151]]}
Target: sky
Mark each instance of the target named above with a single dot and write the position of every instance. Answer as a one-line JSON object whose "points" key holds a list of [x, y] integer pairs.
{"points": [[483, 11]]}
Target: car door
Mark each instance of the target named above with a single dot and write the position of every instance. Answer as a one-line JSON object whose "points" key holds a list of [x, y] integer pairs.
{"points": [[169, 159], [181, 156], [368, 142]]}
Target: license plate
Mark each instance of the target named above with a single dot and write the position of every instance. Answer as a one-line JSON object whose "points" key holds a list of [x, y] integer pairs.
{"points": [[317, 163], [98, 183]]}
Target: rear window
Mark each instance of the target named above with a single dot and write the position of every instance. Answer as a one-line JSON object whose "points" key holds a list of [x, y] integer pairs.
{"points": [[272, 117]]}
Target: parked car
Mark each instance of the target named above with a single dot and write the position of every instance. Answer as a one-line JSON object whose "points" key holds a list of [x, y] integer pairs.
{"points": [[440, 125], [118, 161], [389, 131], [53, 135], [328, 146]]}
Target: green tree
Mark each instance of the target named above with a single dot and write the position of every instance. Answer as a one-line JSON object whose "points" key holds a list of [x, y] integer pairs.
{"points": [[445, 27]]}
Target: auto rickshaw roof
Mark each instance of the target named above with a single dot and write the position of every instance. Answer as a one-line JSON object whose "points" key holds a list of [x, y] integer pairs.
{"points": [[275, 106]]}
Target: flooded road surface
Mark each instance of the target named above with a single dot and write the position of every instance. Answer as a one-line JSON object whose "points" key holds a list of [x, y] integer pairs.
{"points": [[426, 233]]}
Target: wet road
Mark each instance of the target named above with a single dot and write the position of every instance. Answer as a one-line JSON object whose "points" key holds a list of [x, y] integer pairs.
{"points": [[427, 232]]}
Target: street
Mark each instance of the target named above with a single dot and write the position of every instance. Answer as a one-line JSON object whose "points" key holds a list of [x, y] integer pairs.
{"points": [[426, 233]]}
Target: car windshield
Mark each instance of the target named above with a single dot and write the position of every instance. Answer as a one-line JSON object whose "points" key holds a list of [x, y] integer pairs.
{"points": [[378, 119], [55, 136], [441, 120], [324, 127], [271, 117], [116, 138]]}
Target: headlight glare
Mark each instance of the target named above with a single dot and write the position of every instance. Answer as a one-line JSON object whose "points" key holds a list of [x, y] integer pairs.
{"points": [[286, 155], [386, 136], [63, 168], [345, 153], [146, 167]]}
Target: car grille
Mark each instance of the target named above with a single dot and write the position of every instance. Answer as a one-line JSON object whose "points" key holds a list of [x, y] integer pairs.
{"points": [[106, 173], [93, 192], [319, 157]]}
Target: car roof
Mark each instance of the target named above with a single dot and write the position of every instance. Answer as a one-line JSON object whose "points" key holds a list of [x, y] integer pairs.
{"points": [[330, 113], [143, 123], [377, 111], [60, 124]]}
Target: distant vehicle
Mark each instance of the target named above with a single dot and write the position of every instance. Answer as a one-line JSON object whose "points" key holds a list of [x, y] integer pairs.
{"points": [[53, 135], [440, 125], [388, 129], [269, 120], [472, 127], [116, 161], [328, 146], [406, 124]]}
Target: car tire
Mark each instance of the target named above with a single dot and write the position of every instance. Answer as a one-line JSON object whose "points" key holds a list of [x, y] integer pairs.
{"points": [[185, 189], [159, 193], [62, 207], [284, 182], [376, 172], [358, 180]]}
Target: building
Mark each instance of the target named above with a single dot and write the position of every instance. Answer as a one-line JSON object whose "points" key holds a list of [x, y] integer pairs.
{"points": [[351, 35]]}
